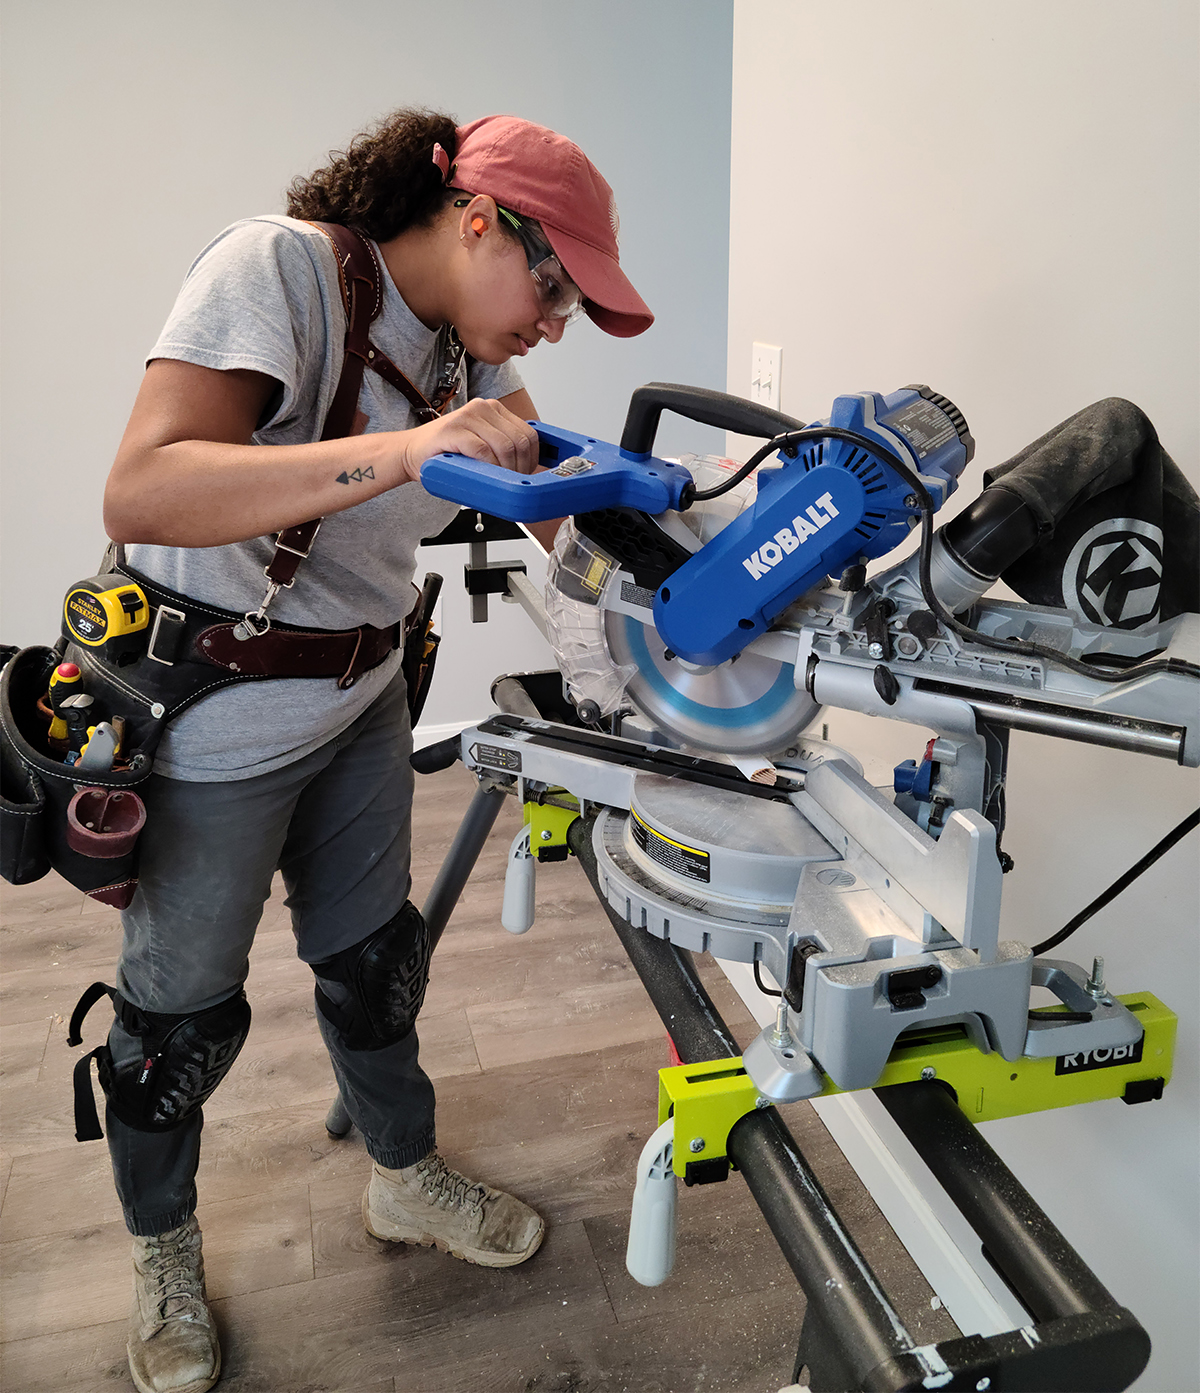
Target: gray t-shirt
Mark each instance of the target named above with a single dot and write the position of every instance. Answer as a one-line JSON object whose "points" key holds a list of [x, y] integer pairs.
{"points": [[265, 296]]}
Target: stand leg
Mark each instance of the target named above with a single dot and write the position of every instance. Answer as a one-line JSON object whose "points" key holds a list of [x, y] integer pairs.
{"points": [[460, 859], [337, 1119]]}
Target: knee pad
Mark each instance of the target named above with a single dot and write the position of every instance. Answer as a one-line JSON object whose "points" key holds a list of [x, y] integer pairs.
{"points": [[181, 1061], [372, 991]]}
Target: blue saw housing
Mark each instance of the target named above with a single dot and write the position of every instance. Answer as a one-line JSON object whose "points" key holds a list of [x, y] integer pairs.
{"points": [[838, 503], [835, 504], [582, 474]]}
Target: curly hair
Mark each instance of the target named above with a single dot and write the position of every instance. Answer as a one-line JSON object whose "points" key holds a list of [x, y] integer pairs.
{"points": [[385, 180]]}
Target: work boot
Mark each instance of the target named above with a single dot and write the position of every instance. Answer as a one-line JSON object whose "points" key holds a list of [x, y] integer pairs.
{"points": [[433, 1205], [172, 1341]]}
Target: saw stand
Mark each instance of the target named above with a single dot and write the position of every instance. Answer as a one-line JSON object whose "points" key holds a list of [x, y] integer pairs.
{"points": [[1077, 1336]]}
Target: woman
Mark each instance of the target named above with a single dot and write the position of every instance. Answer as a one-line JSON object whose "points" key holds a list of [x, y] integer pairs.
{"points": [[491, 238]]}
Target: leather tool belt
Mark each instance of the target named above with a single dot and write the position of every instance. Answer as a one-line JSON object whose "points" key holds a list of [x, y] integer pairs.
{"points": [[193, 650], [84, 823]]}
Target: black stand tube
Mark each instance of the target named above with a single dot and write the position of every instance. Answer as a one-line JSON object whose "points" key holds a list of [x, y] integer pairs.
{"points": [[1047, 1274], [460, 859], [835, 1277]]}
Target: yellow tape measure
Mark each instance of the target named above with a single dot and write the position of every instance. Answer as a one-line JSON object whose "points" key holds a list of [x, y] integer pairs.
{"points": [[96, 611]]}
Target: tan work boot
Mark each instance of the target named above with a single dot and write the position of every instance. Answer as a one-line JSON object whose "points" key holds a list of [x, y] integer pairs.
{"points": [[433, 1205], [172, 1342]]}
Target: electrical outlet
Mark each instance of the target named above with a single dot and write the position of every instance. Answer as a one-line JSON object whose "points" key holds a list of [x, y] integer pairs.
{"points": [[766, 368]]}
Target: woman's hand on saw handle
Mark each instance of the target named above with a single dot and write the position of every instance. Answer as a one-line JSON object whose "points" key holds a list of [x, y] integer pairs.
{"points": [[484, 429]]}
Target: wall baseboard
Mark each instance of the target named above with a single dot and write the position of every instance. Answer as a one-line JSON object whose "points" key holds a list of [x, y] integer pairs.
{"points": [[429, 733]]}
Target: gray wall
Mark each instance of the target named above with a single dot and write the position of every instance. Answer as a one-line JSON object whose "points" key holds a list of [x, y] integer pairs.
{"points": [[133, 131], [1001, 201]]}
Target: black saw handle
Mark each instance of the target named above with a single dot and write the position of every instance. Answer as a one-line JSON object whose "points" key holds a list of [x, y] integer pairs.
{"points": [[697, 404]]}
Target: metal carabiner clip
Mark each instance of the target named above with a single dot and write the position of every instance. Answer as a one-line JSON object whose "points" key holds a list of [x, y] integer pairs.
{"points": [[255, 623]]}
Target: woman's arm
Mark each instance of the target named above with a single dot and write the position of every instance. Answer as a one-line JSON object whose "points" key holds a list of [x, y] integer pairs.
{"points": [[186, 474]]}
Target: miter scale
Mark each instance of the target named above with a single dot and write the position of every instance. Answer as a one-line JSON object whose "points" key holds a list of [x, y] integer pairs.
{"points": [[702, 613]]}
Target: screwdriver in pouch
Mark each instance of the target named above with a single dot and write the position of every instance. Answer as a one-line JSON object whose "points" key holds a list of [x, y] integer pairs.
{"points": [[65, 681]]}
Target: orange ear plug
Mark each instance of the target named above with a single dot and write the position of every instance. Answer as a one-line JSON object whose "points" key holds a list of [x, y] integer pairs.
{"points": [[477, 226]]}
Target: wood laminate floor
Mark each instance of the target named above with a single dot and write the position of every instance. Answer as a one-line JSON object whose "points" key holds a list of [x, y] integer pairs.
{"points": [[544, 1049]]}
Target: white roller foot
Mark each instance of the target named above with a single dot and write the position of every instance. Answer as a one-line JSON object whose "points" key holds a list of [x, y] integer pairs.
{"points": [[650, 1255], [517, 911]]}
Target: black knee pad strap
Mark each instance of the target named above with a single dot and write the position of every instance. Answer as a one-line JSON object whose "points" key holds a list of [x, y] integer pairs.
{"points": [[182, 1060], [372, 991]]}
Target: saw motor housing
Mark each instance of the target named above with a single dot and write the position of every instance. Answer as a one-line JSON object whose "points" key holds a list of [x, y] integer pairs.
{"points": [[836, 500]]}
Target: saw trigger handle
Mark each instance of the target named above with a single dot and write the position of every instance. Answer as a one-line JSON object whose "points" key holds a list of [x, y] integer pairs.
{"points": [[696, 404]]}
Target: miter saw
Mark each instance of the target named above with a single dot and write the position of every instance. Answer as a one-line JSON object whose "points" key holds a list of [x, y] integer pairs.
{"points": [[691, 601], [702, 613]]}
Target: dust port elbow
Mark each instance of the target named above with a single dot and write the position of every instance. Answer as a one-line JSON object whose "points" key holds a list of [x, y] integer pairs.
{"points": [[990, 534]]}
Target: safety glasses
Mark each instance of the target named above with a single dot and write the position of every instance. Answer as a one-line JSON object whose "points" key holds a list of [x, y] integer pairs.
{"points": [[558, 295]]}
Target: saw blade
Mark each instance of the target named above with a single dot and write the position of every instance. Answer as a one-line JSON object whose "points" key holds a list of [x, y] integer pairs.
{"points": [[748, 705]]}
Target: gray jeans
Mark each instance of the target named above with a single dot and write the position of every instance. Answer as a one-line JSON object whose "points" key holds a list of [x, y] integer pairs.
{"points": [[337, 824]]}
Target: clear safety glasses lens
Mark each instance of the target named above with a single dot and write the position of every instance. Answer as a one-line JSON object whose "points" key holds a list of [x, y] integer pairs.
{"points": [[560, 297]]}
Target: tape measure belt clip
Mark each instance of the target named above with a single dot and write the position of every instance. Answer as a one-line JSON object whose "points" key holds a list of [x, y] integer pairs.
{"points": [[166, 636]]}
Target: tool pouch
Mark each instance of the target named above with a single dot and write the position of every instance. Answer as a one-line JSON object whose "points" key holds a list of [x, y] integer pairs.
{"points": [[421, 646], [83, 826]]}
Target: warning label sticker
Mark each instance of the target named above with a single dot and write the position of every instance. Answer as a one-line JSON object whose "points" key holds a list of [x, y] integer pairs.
{"points": [[687, 861], [925, 426], [632, 594], [598, 571], [1105, 1058], [496, 757]]}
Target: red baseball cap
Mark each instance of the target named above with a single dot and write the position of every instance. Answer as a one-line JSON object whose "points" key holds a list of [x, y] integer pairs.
{"points": [[535, 171]]}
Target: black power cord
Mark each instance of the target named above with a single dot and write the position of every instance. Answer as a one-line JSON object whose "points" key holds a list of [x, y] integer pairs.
{"points": [[761, 985], [1123, 882], [792, 439], [781, 442]]}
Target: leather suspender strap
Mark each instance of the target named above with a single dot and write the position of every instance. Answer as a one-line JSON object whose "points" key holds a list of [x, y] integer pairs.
{"points": [[423, 408], [361, 275], [361, 281]]}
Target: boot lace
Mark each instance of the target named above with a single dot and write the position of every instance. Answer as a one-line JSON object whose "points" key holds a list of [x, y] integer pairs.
{"points": [[449, 1189], [174, 1273]]}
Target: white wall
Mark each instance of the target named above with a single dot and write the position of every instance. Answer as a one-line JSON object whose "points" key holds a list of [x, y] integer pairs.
{"points": [[1001, 201], [135, 129]]}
